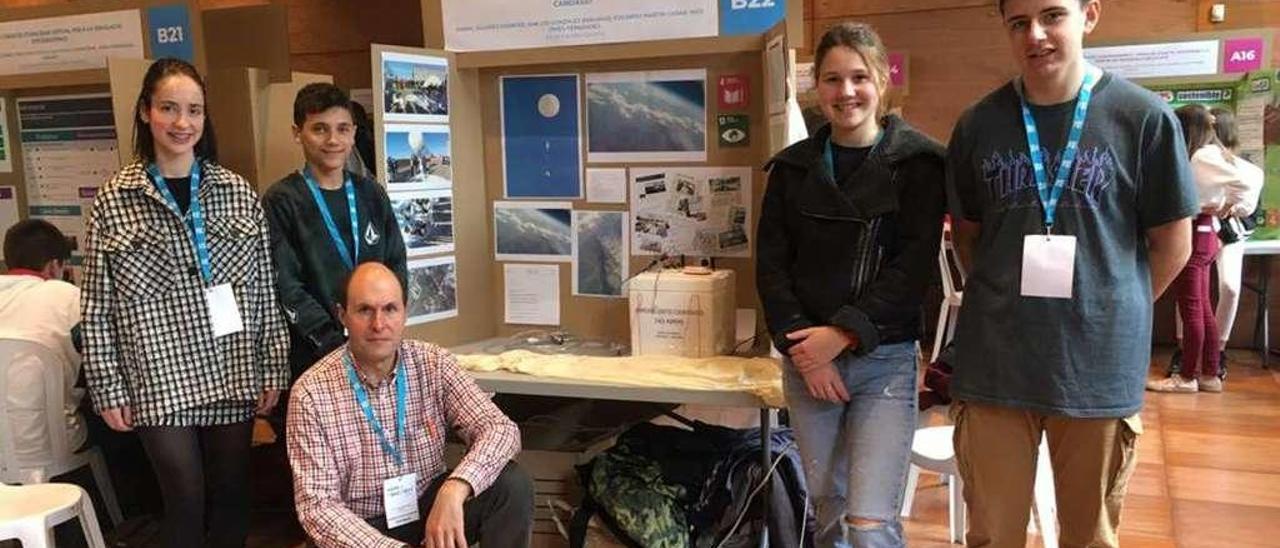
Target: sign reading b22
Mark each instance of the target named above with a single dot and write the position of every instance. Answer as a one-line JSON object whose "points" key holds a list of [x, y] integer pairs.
{"points": [[750, 16]]}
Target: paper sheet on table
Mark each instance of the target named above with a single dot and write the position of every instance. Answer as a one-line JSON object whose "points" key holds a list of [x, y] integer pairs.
{"points": [[759, 376]]}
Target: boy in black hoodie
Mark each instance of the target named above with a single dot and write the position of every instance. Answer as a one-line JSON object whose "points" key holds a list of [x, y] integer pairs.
{"points": [[325, 220]]}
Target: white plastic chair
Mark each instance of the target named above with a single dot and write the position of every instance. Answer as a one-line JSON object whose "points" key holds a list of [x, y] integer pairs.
{"points": [[28, 513], [63, 458], [932, 450], [952, 294]]}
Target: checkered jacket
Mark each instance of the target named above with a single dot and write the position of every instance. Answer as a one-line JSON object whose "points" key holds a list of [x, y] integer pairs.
{"points": [[338, 463], [148, 337]]}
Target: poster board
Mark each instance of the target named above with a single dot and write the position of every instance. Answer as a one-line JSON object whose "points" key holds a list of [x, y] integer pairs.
{"points": [[61, 15], [604, 317], [462, 182]]}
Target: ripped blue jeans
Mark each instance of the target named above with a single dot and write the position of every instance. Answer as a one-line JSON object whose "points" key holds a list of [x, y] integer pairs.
{"points": [[856, 455]]}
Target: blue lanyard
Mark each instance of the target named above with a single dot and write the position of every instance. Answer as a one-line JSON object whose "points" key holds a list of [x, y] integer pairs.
{"points": [[347, 257], [1049, 195], [828, 155], [197, 215], [362, 398]]}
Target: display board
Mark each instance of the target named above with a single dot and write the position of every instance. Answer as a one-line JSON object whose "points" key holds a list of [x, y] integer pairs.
{"points": [[659, 182], [69, 150], [1255, 99]]}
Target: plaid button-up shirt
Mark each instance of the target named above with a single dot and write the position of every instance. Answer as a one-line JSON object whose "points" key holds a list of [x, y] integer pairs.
{"points": [[338, 463], [148, 337]]}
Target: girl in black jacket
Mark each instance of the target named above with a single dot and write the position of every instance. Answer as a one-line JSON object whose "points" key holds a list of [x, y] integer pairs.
{"points": [[848, 241]]}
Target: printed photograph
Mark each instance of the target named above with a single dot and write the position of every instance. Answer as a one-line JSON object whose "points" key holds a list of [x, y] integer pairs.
{"points": [[647, 116], [533, 231], [433, 290], [541, 146], [414, 154], [414, 88], [599, 253], [426, 220]]}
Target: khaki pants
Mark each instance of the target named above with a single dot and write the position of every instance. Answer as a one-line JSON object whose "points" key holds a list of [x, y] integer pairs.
{"points": [[996, 451]]}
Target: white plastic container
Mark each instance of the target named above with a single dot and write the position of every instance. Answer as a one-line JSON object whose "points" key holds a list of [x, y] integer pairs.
{"points": [[679, 314]]}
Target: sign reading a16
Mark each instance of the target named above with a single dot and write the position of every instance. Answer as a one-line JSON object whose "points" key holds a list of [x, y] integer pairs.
{"points": [[169, 35]]}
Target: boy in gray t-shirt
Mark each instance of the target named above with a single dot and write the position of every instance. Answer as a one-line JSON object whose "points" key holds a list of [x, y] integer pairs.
{"points": [[1054, 337]]}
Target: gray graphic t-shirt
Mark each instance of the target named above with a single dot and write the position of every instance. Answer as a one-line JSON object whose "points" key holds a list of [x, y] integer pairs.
{"points": [[1086, 356]]}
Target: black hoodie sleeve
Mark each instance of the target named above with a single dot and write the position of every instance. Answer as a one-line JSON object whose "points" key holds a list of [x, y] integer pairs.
{"points": [[775, 253], [306, 316], [894, 297]]}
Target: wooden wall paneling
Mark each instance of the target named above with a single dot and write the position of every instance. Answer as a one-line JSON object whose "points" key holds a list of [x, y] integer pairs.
{"points": [[594, 317], [333, 36], [338, 25], [1241, 14]]}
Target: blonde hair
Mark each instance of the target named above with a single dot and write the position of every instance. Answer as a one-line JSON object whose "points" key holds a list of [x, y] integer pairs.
{"points": [[863, 40]]}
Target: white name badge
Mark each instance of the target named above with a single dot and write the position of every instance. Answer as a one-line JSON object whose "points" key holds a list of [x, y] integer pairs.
{"points": [[1048, 266], [400, 500], [223, 311]]}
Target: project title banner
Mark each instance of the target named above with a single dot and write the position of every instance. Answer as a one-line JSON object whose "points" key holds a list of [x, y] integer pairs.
{"points": [[483, 25]]}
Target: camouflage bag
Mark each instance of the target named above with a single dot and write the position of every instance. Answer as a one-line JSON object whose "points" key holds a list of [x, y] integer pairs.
{"points": [[628, 490]]}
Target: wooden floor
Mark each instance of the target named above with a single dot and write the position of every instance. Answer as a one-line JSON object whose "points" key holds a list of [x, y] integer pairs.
{"points": [[1208, 473], [1208, 468]]}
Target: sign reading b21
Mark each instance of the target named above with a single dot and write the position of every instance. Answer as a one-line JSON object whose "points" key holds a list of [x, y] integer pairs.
{"points": [[170, 32], [750, 16]]}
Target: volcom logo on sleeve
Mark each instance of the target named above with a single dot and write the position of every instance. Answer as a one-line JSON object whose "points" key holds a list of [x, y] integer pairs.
{"points": [[371, 236]]}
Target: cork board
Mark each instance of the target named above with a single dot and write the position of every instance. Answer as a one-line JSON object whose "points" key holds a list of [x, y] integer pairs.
{"points": [[608, 318]]}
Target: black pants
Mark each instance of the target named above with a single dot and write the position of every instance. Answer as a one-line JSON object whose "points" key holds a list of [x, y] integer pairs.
{"points": [[201, 467], [499, 517]]}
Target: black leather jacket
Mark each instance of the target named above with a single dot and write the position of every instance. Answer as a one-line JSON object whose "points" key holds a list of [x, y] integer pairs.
{"points": [[859, 260]]}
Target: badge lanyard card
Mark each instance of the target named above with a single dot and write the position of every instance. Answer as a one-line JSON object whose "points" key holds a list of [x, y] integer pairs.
{"points": [[224, 314], [1048, 260], [348, 257], [400, 493]]}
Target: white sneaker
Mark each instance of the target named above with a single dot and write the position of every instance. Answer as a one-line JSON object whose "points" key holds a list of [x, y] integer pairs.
{"points": [[1210, 384], [1174, 383]]}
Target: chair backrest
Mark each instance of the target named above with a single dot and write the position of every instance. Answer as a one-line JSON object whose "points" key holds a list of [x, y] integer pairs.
{"points": [[11, 351], [948, 266]]}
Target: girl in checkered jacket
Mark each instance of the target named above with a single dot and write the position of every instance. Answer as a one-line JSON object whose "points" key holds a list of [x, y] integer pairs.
{"points": [[183, 340]]}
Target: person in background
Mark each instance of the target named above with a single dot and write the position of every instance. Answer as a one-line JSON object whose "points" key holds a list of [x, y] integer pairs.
{"points": [[848, 242], [1222, 193], [324, 220], [38, 307], [1241, 183], [184, 342]]}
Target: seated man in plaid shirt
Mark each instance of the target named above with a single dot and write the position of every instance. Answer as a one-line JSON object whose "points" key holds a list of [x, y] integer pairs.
{"points": [[366, 436]]}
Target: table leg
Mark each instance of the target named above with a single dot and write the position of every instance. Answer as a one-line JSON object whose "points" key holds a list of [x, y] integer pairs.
{"points": [[1264, 302], [766, 460]]}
